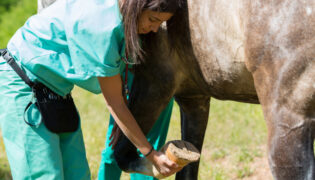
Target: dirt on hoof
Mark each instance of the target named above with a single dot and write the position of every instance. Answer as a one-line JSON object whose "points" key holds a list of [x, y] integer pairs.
{"points": [[181, 152]]}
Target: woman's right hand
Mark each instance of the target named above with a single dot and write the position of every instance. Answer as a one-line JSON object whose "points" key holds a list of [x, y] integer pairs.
{"points": [[165, 166]]}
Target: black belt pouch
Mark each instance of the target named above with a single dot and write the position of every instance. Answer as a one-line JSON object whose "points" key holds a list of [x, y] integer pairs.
{"points": [[59, 114]]}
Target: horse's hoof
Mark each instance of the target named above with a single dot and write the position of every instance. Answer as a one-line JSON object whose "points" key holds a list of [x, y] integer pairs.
{"points": [[181, 152]]}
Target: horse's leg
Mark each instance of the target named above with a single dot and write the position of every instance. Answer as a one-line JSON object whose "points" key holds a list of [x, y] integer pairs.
{"points": [[149, 96], [291, 137], [287, 94], [280, 54], [194, 117], [291, 153]]}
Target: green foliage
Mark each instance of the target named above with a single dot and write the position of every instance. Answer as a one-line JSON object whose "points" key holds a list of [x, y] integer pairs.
{"points": [[14, 18], [5, 5]]}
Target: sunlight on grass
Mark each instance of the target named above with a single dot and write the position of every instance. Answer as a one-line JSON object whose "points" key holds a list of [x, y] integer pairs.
{"points": [[235, 137], [4, 165], [244, 172]]}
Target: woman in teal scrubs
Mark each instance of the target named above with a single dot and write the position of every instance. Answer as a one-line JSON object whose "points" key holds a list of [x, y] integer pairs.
{"points": [[74, 42], [109, 169]]}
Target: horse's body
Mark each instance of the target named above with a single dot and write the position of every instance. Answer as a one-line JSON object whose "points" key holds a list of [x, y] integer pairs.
{"points": [[256, 51]]}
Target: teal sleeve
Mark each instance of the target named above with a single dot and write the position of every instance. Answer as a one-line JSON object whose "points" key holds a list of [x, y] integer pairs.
{"points": [[96, 42], [95, 38]]}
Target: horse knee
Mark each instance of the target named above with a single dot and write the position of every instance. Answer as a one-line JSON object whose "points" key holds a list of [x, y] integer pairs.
{"points": [[125, 153], [291, 153]]}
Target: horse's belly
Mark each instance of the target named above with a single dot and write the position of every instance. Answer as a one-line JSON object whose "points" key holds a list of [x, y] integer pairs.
{"points": [[217, 36]]}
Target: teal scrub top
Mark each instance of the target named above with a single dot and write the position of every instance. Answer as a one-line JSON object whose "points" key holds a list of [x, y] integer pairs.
{"points": [[72, 42]]}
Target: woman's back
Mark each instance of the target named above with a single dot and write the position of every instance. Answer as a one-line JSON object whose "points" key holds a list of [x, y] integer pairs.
{"points": [[76, 40]]}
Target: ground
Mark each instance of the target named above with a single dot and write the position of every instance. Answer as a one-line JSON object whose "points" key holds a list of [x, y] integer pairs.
{"points": [[234, 147]]}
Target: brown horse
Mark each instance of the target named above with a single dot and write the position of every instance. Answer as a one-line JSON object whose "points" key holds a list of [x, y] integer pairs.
{"points": [[255, 51]]}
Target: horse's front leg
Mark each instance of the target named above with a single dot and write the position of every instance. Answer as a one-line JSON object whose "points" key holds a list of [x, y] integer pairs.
{"points": [[288, 101], [291, 138], [194, 118], [282, 63], [149, 96]]}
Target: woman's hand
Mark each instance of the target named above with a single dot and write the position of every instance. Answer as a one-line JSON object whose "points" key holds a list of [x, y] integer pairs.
{"points": [[165, 166]]}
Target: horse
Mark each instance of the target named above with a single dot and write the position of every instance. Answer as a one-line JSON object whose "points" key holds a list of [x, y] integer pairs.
{"points": [[251, 51]]}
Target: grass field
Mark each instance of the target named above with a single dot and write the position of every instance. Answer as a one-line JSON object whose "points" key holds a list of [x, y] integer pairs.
{"points": [[234, 147]]}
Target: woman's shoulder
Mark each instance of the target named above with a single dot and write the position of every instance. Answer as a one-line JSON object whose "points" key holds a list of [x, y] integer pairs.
{"points": [[98, 15], [101, 11]]}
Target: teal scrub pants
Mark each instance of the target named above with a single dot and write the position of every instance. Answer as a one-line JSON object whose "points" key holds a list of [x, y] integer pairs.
{"points": [[109, 169], [35, 152]]}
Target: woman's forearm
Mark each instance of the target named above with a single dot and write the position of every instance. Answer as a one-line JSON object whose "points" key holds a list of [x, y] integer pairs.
{"points": [[111, 89], [129, 126]]}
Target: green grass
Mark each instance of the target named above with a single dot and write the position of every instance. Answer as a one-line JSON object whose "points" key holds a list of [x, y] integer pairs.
{"points": [[235, 137]]}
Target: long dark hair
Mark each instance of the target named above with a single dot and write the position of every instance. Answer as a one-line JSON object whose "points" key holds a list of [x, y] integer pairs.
{"points": [[131, 10]]}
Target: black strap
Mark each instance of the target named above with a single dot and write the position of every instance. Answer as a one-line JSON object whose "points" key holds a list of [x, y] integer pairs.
{"points": [[2, 51], [148, 153], [33, 125], [10, 60]]}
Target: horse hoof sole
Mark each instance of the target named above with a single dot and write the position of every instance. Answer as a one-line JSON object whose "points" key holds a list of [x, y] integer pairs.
{"points": [[181, 152]]}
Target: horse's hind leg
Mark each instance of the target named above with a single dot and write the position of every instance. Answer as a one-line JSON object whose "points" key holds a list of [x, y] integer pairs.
{"points": [[194, 117]]}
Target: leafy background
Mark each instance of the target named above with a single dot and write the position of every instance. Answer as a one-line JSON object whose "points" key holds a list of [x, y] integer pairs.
{"points": [[235, 143]]}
